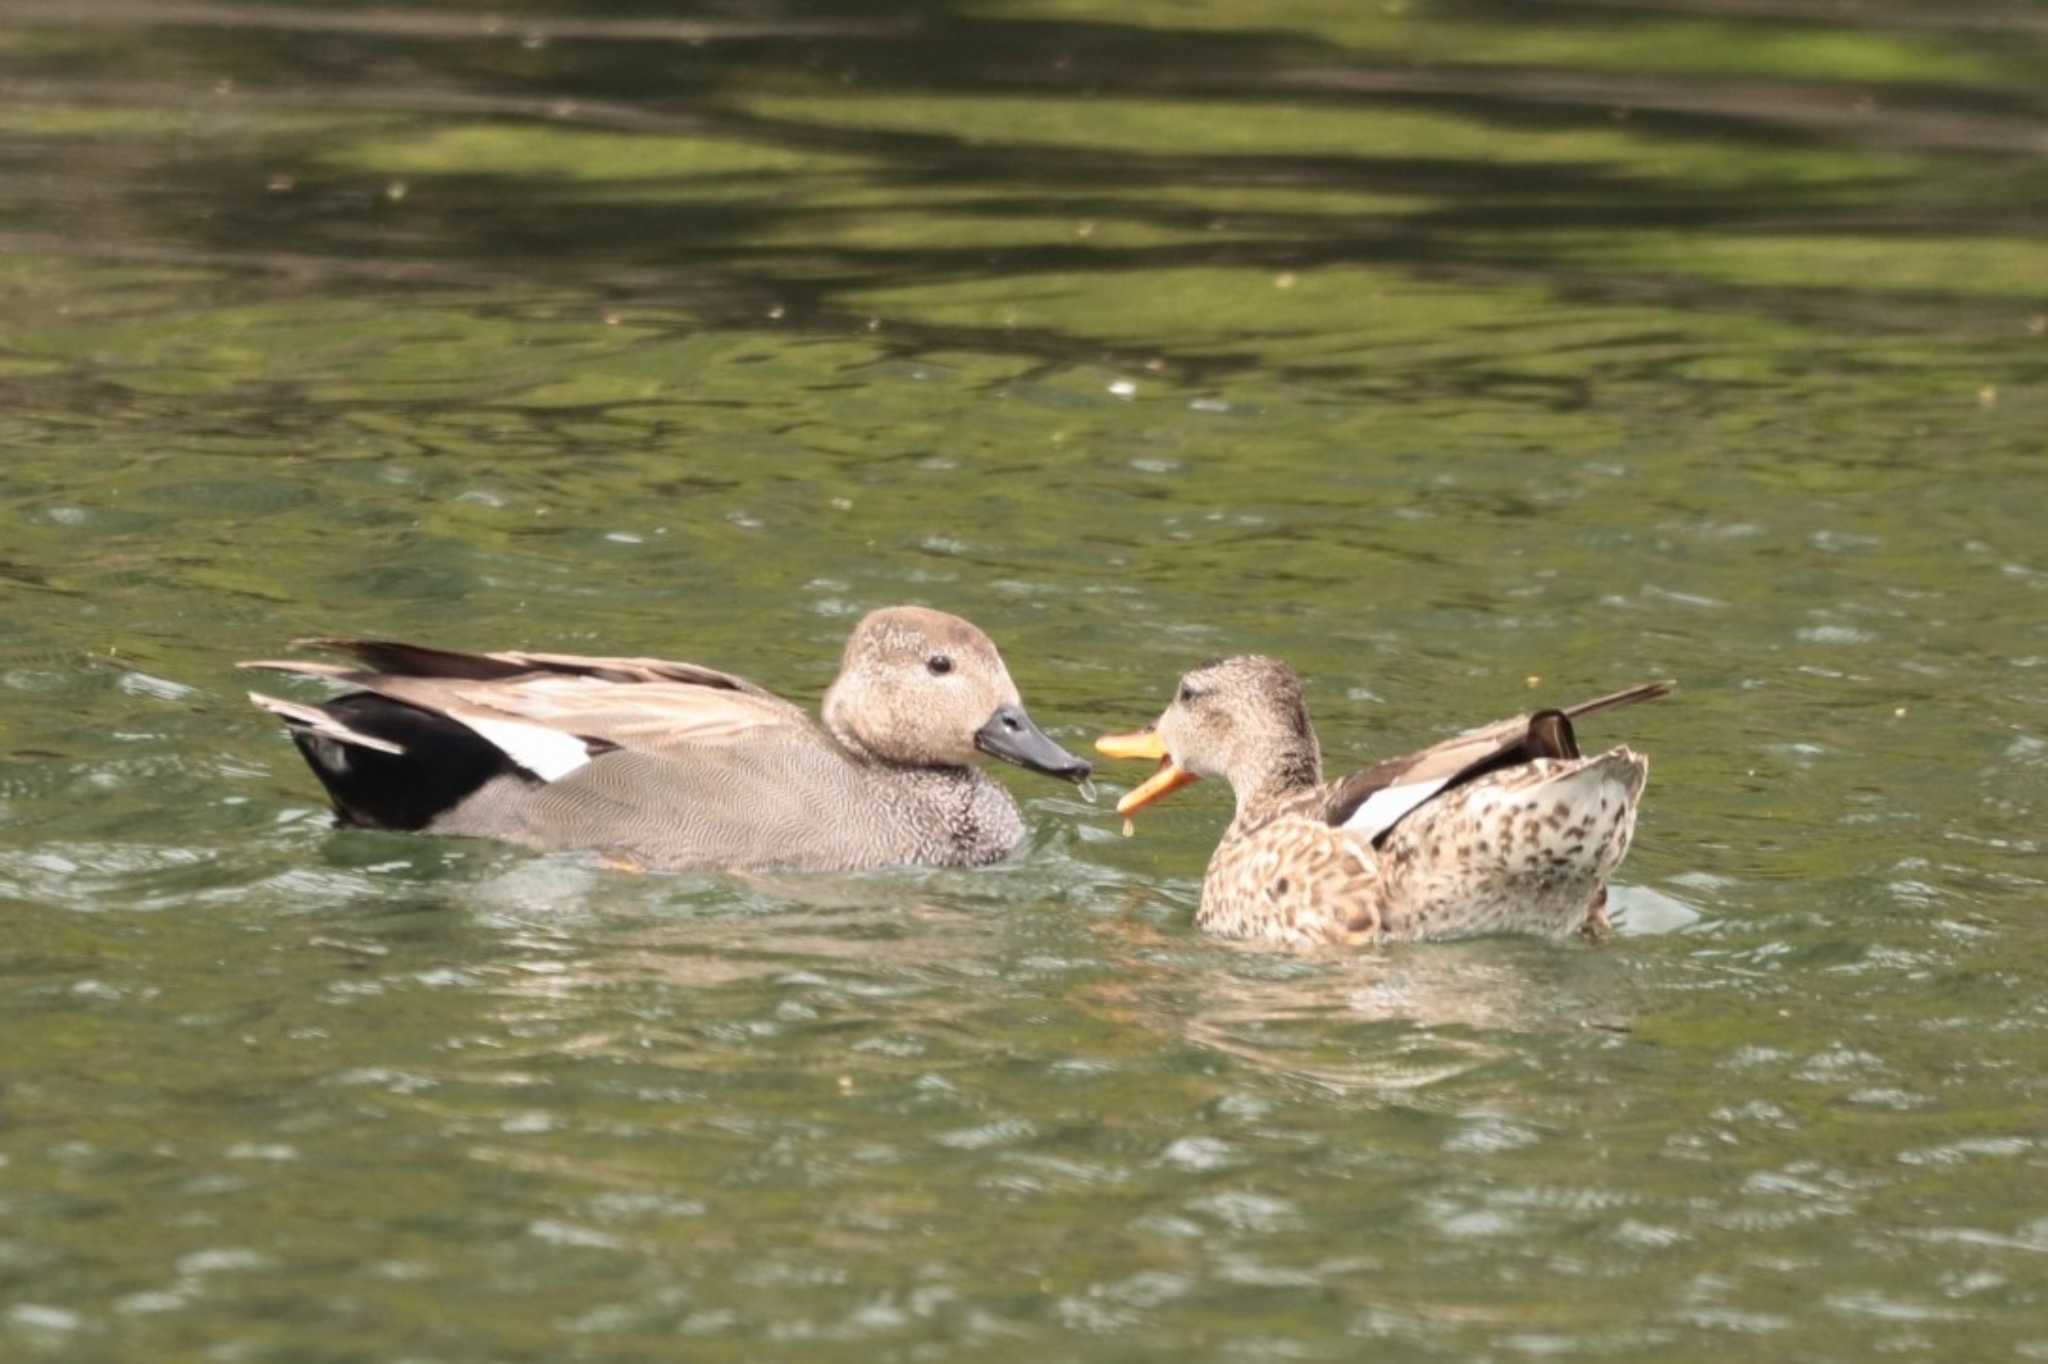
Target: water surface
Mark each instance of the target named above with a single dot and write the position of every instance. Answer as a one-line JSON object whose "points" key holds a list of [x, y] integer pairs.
{"points": [[1464, 354]]}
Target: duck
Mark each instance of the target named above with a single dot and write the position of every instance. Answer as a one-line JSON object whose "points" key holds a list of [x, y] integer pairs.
{"points": [[661, 765], [1507, 828]]}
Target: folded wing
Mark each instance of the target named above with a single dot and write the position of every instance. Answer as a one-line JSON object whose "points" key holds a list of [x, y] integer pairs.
{"points": [[552, 713], [1372, 802]]}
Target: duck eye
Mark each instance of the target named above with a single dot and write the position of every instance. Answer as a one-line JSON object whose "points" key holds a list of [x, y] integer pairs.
{"points": [[938, 665], [1187, 694]]}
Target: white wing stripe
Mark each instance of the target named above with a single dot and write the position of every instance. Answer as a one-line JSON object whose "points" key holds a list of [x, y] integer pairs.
{"points": [[1388, 804], [547, 753]]}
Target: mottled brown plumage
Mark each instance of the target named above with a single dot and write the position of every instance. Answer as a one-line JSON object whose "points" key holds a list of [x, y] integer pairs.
{"points": [[675, 765], [1506, 828]]}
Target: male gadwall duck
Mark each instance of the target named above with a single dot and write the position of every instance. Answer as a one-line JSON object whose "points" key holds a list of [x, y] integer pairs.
{"points": [[671, 765], [1506, 828]]}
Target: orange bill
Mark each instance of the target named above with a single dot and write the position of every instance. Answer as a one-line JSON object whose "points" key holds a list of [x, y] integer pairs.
{"points": [[1139, 743], [1145, 743]]}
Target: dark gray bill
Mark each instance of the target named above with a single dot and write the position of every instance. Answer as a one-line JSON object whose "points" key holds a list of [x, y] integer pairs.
{"points": [[1010, 735]]}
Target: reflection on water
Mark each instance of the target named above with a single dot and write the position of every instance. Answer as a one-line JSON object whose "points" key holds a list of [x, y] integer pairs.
{"points": [[1432, 347]]}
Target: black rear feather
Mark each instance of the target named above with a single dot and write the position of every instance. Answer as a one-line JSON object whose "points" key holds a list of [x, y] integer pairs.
{"points": [[444, 763]]}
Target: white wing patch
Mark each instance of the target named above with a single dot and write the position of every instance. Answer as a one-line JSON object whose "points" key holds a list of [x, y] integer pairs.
{"points": [[549, 754], [1388, 804]]}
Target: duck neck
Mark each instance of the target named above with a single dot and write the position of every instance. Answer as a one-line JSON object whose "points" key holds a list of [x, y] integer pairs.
{"points": [[1282, 775], [837, 715], [961, 815]]}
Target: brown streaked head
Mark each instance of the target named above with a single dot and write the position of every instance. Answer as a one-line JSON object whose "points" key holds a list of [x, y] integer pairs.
{"points": [[1242, 719]]}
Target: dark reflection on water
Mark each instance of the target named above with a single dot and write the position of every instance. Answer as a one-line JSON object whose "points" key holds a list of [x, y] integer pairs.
{"points": [[1582, 149], [1465, 354]]}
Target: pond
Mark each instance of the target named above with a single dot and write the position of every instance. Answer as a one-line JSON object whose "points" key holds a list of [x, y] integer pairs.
{"points": [[1464, 353]]}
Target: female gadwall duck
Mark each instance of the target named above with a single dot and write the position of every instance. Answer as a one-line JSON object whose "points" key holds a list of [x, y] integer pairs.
{"points": [[1501, 829], [672, 765]]}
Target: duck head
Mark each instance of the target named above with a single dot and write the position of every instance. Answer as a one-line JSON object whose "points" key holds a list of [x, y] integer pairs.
{"points": [[1242, 719], [920, 688]]}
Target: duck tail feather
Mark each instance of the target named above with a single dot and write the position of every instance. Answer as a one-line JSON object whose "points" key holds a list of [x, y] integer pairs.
{"points": [[313, 720], [299, 668], [1627, 696], [420, 660]]}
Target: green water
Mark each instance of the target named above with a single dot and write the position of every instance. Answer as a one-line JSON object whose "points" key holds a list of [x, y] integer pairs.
{"points": [[1436, 347]]}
